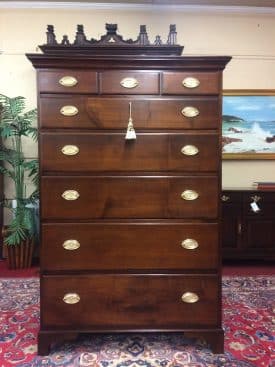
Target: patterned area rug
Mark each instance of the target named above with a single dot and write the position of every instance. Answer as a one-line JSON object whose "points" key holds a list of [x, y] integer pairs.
{"points": [[248, 309]]}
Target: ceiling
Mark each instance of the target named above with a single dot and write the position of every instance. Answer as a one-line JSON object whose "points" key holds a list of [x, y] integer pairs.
{"points": [[253, 3]]}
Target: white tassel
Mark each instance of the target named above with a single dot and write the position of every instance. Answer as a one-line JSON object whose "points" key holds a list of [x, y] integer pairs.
{"points": [[130, 134]]}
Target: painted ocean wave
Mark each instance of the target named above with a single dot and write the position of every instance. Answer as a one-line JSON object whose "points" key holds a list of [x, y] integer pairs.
{"points": [[250, 137]]}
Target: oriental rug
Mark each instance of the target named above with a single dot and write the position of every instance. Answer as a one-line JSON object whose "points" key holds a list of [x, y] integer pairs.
{"points": [[248, 321]]}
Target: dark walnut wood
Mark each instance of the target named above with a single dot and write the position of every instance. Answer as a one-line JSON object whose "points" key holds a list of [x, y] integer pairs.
{"points": [[210, 83], [97, 252], [247, 234], [113, 113], [150, 152], [129, 247], [128, 301], [128, 197]]}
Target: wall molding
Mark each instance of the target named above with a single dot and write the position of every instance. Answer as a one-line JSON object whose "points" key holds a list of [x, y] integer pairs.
{"points": [[137, 7]]}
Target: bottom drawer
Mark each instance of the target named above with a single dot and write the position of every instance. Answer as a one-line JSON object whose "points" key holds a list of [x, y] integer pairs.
{"points": [[125, 302]]}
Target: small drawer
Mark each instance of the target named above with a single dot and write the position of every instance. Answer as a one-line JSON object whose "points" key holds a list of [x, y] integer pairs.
{"points": [[121, 302], [191, 83], [121, 246], [113, 113], [67, 81], [90, 152], [129, 197], [129, 82]]}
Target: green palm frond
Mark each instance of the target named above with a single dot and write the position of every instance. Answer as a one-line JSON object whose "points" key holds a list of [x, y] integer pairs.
{"points": [[11, 156], [11, 108], [7, 172], [15, 123], [16, 233], [33, 171]]}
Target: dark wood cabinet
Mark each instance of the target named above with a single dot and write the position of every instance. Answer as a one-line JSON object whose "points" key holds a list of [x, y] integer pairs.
{"points": [[130, 229], [248, 234]]}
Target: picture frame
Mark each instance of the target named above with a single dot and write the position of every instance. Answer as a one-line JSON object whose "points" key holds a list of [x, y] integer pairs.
{"points": [[248, 124]]}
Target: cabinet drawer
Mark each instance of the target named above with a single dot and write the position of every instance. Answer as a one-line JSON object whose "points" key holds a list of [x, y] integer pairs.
{"points": [[128, 197], [111, 152], [129, 82], [123, 246], [113, 113], [106, 302], [191, 83], [67, 81]]}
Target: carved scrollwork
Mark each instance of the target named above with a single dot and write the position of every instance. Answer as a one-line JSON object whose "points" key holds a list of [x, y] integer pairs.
{"points": [[140, 46]]}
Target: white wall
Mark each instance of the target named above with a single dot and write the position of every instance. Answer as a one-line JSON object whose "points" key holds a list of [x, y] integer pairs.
{"points": [[247, 36]]}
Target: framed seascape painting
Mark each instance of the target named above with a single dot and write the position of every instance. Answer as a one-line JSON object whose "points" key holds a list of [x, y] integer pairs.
{"points": [[248, 124]]}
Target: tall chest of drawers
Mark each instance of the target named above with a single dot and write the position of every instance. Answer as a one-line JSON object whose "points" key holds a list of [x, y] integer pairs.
{"points": [[129, 228]]}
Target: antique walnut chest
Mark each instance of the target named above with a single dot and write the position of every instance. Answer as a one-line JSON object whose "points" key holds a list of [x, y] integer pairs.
{"points": [[129, 228]]}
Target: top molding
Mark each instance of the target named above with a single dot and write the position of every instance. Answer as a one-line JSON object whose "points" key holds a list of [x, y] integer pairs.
{"points": [[112, 43], [270, 11]]}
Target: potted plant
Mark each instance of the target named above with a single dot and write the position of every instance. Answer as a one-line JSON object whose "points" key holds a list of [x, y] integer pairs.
{"points": [[21, 233]]}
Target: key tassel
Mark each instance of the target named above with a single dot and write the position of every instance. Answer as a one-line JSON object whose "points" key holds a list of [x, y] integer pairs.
{"points": [[130, 134]]}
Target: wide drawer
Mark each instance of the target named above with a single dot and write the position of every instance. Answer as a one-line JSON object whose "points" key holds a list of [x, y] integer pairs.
{"points": [[129, 82], [109, 302], [129, 197], [123, 246], [113, 113], [67, 81], [76, 152], [191, 82]]}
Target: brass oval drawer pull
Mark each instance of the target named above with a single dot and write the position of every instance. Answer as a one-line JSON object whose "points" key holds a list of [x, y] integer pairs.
{"points": [[189, 195], [69, 110], [190, 82], [190, 111], [129, 82], [70, 150], [71, 298], [70, 195], [189, 297], [225, 198], [190, 244], [71, 245], [68, 81], [189, 150]]}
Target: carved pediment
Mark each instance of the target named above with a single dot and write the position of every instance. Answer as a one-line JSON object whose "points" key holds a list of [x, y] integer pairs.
{"points": [[113, 42]]}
